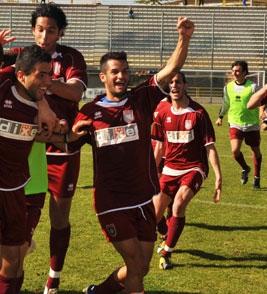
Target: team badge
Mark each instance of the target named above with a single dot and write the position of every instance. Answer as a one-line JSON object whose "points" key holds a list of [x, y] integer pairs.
{"points": [[8, 104], [97, 115], [56, 68], [111, 230], [128, 115], [188, 124], [168, 119]]}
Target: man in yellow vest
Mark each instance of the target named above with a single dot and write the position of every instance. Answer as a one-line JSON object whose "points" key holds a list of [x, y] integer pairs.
{"points": [[244, 123]]}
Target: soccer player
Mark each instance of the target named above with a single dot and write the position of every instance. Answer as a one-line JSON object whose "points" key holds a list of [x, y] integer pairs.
{"points": [[186, 130], [18, 127], [48, 23], [125, 175], [244, 123]]}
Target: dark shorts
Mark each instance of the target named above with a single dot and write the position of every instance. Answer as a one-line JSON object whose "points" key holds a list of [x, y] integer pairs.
{"points": [[126, 224], [63, 173], [251, 138], [171, 184], [36, 200], [12, 218]]}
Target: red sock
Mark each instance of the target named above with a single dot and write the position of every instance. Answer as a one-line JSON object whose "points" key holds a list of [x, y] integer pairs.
{"points": [[175, 229], [257, 166], [110, 285], [8, 285], [241, 160], [59, 243]]}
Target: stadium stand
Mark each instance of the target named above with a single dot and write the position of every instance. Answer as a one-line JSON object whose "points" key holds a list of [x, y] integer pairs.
{"points": [[222, 34]]}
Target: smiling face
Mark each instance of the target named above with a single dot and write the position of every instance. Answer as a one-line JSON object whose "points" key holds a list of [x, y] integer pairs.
{"points": [[115, 76], [36, 83], [46, 33], [177, 87], [239, 74]]}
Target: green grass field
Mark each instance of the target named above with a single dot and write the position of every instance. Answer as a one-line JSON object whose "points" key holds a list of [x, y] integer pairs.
{"points": [[223, 248]]}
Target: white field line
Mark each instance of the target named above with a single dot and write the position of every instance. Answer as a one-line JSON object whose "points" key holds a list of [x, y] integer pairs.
{"points": [[232, 204]]}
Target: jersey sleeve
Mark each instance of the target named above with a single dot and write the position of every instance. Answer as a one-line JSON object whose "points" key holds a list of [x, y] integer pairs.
{"points": [[156, 128], [206, 129], [148, 95], [75, 67]]}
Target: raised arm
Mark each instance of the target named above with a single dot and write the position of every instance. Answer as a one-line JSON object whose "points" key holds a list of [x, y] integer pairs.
{"points": [[185, 29]]}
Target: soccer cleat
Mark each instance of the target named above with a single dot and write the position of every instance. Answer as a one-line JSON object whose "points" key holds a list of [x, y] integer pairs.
{"points": [[89, 290], [244, 175], [165, 263], [160, 247], [256, 183], [50, 291]]}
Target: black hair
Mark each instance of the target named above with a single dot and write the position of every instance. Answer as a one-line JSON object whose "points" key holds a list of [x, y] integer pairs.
{"points": [[122, 56], [242, 63], [29, 57], [51, 10]]}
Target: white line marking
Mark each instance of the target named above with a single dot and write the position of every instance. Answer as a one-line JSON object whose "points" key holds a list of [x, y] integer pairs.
{"points": [[232, 204]]}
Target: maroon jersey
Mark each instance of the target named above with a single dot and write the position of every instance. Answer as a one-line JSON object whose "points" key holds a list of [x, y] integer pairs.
{"points": [[67, 64], [17, 132], [185, 133], [125, 174]]}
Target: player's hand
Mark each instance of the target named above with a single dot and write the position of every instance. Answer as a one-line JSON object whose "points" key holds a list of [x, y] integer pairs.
{"points": [[185, 26], [218, 191], [218, 122], [46, 117], [4, 37], [79, 129]]}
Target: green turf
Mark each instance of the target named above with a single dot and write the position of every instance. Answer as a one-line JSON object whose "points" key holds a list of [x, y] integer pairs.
{"points": [[223, 248]]}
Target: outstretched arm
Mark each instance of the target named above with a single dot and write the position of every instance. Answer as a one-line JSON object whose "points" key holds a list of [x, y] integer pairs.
{"points": [[257, 98], [215, 163], [185, 29]]}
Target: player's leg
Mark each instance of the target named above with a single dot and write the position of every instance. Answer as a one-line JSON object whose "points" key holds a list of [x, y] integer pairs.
{"points": [[63, 172], [34, 204], [132, 233], [188, 184], [253, 140], [59, 211], [13, 245], [236, 139], [137, 256]]}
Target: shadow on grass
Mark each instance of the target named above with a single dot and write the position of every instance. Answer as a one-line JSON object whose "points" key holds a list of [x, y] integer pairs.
{"points": [[148, 292], [61, 292], [171, 292], [226, 228], [215, 257]]}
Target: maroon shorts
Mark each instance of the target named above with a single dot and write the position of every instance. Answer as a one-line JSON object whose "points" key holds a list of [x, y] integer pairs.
{"points": [[63, 173], [171, 184], [126, 224], [12, 218], [251, 138]]}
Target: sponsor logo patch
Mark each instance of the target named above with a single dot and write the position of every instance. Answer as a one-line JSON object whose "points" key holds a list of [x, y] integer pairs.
{"points": [[116, 135], [180, 136], [17, 130]]}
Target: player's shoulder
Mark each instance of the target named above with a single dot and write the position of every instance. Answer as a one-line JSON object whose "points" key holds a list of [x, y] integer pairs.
{"points": [[196, 106], [67, 50], [7, 76]]}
